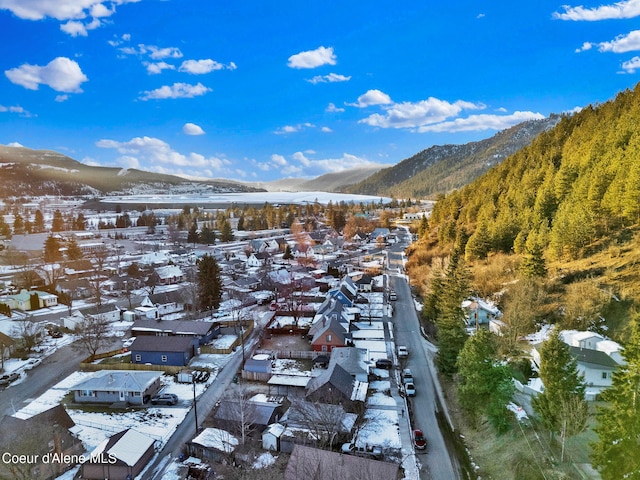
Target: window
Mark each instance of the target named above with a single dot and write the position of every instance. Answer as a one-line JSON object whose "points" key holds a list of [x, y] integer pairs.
{"points": [[328, 338], [605, 375], [138, 358], [164, 358]]}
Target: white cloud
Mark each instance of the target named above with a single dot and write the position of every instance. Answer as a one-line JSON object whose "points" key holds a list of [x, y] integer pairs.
{"points": [[177, 90], [585, 46], [623, 9], [61, 98], [414, 115], [372, 97], [326, 130], [314, 167], [152, 51], [278, 160], [331, 78], [200, 67], [481, 122], [312, 58], [332, 108], [293, 128], [622, 43], [192, 129], [157, 155], [61, 74], [15, 145], [15, 109], [157, 67], [630, 66], [71, 11]]}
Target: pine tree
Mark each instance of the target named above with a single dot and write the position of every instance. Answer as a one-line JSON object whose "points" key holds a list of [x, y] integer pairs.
{"points": [[562, 385], [209, 283], [192, 235], [533, 263], [52, 249], [615, 454], [57, 225], [73, 250], [38, 222], [226, 233]]}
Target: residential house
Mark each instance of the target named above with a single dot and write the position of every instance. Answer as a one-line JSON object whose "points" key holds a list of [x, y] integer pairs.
{"points": [[365, 283], [336, 386], [107, 312], [112, 386], [174, 351], [212, 445], [329, 333], [308, 462], [256, 260], [353, 360], [200, 331], [44, 434], [123, 456], [232, 412], [170, 302], [28, 300], [170, 275], [480, 312]]}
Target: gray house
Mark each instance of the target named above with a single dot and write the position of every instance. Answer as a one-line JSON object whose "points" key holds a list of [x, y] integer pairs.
{"points": [[175, 351], [111, 386]]}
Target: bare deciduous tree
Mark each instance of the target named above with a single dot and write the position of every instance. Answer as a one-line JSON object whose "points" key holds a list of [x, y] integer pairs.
{"points": [[92, 334]]}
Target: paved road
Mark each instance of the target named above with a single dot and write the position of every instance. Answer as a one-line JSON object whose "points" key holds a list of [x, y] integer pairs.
{"points": [[437, 461]]}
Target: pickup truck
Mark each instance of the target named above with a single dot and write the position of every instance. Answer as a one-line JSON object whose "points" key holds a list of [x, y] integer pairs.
{"points": [[367, 451]]}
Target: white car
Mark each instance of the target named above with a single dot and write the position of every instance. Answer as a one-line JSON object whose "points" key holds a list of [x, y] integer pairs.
{"points": [[409, 389], [403, 351], [31, 363], [127, 343]]}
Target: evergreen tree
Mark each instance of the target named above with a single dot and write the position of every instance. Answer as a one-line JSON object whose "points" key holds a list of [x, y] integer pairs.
{"points": [[209, 283], [192, 235], [226, 233], [287, 253], [479, 243], [18, 224], [73, 250], [5, 229], [52, 252], [450, 319], [80, 222], [533, 263], [615, 454], [562, 385], [38, 222], [57, 225]]}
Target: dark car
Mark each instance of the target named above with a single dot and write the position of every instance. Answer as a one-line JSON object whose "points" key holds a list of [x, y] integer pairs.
{"points": [[164, 399], [419, 441], [8, 378], [384, 363]]}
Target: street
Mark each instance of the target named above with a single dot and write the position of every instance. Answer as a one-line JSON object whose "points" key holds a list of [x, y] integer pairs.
{"points": [[436, 461]]}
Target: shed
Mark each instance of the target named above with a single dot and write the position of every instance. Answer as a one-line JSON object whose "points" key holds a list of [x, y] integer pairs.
{"points": [[120, 457], [212, 444]]}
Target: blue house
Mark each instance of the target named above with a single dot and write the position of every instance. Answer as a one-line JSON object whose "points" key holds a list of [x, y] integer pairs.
{"points": [[175, 351], [479, 312], [203, 332]]}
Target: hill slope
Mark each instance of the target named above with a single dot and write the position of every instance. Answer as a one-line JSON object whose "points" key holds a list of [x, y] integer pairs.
{"points": [[442, 168], [44, 172]]}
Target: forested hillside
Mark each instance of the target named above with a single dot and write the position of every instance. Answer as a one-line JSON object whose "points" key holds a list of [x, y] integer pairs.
{"points": [[571, 200], [443, 168]]}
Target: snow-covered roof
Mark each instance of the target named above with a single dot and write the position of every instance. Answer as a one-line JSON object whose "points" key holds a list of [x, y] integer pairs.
{"points": [[217, 439], [289, 380], [129, 448]]}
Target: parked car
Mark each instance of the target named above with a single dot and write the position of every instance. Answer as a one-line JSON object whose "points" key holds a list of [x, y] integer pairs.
{"points": [[407, 376], [8, 378], [409, 389], [31, 363], [164, 399], [419, 441], [403, 351], [127, 343], [393, 296], [366, 451], [384, 363]]}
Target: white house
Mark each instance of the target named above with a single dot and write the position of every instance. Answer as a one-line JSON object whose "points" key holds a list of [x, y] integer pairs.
{"points": [[170, 275]]}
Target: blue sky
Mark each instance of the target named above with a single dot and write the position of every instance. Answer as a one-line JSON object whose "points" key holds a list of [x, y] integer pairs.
{"points": [[260, 90]]}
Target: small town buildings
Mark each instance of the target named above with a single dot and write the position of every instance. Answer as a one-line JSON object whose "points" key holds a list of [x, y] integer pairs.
{"points": [[212, 444], [112, 386], [28, 300], [200, 331], [336, 386], [329, 333], [170, 275], [173, 351], [43, 434], [353, 361], [120, 457]]}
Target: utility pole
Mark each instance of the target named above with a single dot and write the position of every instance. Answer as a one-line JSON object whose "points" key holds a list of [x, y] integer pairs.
{"points": [[195, 403]]}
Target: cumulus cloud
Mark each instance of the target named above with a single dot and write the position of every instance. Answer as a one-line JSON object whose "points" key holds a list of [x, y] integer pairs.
{"points": [[154, 68], [622, 43], [331, 78], [332, 108], [481, 122], [157, 155], [200, 67], [414, 115], [79, 15], [630, 66], [293, 128], [623, 9], [15, 109], [312, 58], [192, 129], [372, 97], [177, 90], [152, 51], [61, 74]]}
